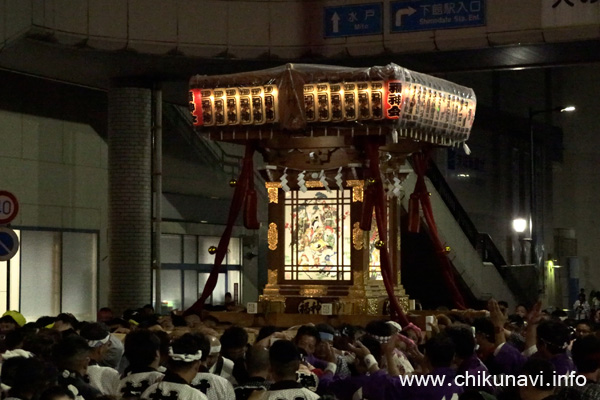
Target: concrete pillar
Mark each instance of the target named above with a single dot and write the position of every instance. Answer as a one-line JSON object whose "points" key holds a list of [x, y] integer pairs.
{"points": [[129, 156]]}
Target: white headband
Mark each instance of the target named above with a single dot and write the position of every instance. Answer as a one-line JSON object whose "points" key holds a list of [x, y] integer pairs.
{"points": [[381, 339], [16, 353], [215, 349], [185, 357], [99, 342], [395, 325]]}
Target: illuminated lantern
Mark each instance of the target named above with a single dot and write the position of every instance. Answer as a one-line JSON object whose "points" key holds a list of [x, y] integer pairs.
{"points": [[337, 102], [258, 105], [377, 99], [310, 101], [246, 116], [208, 107], [195, 97], [323, 102], [350, 101], [393, 99], [220, 110], [232, 102], [271, 104]]}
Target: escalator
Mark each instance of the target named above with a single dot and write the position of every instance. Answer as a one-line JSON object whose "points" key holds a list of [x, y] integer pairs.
{"points": [[480, 269]]}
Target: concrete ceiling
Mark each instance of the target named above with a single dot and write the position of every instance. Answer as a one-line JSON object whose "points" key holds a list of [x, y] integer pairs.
{"points": [[42, 57]]}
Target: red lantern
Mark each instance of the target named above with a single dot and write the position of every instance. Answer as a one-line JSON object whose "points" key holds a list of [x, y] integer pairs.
{"points": [[393, 99], [195, 97]]}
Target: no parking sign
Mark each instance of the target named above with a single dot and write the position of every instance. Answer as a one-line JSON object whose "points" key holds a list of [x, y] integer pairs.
{"points": [[9, 207], [9, 241]]}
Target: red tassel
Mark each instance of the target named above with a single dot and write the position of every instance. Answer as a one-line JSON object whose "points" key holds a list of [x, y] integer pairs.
{"points": [[237, 202], [250, 210], [414, 220]]}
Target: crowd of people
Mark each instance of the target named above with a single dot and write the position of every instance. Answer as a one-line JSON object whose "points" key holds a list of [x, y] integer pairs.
{"points": [[527, 355]]}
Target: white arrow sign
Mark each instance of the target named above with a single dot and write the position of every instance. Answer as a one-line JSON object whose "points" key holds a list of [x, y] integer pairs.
{"points": [[401, 12], [336, 22]]}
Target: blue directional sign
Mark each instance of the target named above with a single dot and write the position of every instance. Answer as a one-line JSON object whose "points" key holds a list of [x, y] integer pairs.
{"points": [[9, 243], [422, 15], [353, 20]]}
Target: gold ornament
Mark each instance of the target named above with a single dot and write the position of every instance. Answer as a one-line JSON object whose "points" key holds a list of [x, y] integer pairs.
{"points": [[370, 181], [379, 244], [357, 236], [212, 249], [233, 182], [447, 249], [313, 184], [357, 189], [272, 236], [273, 191]]}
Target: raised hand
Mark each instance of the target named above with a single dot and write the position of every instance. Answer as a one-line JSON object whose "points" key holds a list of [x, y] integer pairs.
{"points": [[359, 349]]}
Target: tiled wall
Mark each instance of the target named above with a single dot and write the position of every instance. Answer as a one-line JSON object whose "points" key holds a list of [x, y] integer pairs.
{"points": [[59, 172]]}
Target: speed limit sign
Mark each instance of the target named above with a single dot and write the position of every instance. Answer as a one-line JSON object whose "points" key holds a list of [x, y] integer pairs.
{"points": [[9, 207]]}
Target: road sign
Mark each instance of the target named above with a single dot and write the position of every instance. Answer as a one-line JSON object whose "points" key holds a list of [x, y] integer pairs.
{"points": [[354, 20], [9, 207], [420, 15], [9, 243], [557, 13]]}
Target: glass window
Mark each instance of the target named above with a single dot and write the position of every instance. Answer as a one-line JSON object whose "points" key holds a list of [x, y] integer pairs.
{"points": [[170, 289], [233, 254], [190, 288], [204, 243], [190, 249], [202, 278], [40, 273], [3, 286], [170, 249], [79, 261], [15, 279], [218, 295], [316, 245], [234, 285]]}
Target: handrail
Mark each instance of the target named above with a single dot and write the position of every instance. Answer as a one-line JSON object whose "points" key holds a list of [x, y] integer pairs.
{"points": [[482, 242], [210, 150], [205, 153], [218, 153], [457, 210]]}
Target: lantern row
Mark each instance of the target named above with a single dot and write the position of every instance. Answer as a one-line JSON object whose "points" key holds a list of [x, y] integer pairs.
{"points": [[417, 104]]}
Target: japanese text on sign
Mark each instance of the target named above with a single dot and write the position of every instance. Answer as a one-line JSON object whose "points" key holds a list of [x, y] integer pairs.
{"points": [[354, 20], [570, 12], [436, 14]]}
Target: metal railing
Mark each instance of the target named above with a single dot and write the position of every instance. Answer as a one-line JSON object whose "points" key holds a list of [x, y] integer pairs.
{"points": [[209, 151]]}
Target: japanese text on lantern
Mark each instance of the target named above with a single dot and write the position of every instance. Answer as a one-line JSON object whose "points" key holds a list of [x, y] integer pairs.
{"points": [[195, 99], [394, 99]]}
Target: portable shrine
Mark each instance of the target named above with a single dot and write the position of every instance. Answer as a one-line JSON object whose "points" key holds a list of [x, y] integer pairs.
{"points": [[334, 141]]}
